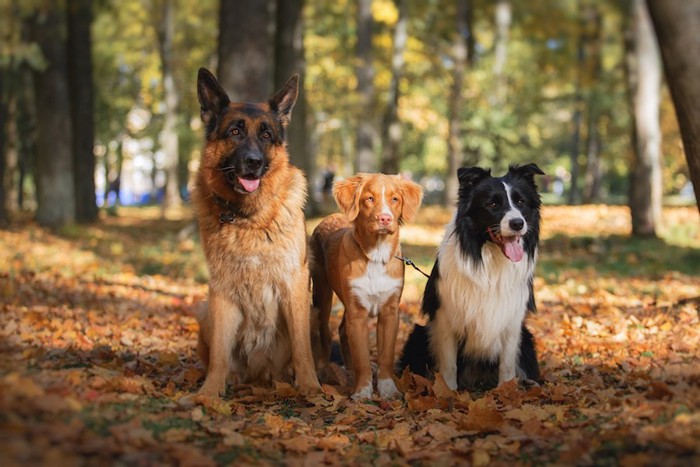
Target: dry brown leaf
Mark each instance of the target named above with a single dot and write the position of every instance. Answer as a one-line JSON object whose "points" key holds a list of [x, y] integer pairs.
{"points": [[333, 442]]}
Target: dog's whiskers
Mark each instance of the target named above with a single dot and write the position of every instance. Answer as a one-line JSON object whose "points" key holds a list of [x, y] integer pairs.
{"points": [[228, 169], [494, 229]]}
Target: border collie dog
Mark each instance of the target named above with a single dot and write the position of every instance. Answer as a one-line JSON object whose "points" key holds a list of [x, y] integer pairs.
{"points": [[480, 287]]}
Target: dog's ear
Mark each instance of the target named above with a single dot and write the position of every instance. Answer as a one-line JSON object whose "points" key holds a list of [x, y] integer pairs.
{"points": [[527, 171], [347, 195], [212, 98], [283, 101], [412, 198], [470, 176]]}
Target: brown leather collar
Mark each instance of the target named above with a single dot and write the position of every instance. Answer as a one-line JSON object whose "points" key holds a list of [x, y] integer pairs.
{"points": [[228, 212]]}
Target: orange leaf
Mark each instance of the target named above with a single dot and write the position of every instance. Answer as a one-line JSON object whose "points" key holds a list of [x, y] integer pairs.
{"points": [[441, 389]]}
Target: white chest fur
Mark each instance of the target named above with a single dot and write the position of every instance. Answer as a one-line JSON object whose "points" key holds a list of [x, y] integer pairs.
{"points": [[482, 301], [375, 286]]}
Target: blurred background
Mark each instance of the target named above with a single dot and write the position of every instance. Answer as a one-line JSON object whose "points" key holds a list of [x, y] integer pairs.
{"points": [[99, 105]]}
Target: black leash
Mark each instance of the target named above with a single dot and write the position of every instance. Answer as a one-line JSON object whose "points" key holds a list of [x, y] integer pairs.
{"points": [[409, 262]]}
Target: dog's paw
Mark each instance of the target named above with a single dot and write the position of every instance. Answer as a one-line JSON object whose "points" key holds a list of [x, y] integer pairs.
{"points": [[212, 402], [187, 401], [212, 390], [364, 393], [309, 389], [387, 388]]}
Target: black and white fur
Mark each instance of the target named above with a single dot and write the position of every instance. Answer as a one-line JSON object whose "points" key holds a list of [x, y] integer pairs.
{"points": [[480, 287]]}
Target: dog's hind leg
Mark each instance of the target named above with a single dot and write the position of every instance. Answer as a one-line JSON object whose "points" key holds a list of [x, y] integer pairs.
{"points": [[527, 361], [323, 301], [443, 343], [218, 333]]}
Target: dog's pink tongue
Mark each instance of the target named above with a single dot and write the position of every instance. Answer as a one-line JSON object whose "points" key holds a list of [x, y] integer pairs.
{"points": [[512, 248], [249, 185]]}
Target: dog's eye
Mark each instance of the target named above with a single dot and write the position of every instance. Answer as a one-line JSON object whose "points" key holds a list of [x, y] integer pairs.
{"points": [[492, 204], [266, 135], [520, 202], [234, 132], [395, 199], [370, 198]]}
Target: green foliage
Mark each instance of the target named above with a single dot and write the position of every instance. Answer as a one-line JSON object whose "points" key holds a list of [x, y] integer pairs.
{"points": [[532, 123]]}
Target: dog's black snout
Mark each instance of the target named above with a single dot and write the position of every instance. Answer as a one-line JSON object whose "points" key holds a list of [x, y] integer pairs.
{"points": [[253, 161], [516, 224]]}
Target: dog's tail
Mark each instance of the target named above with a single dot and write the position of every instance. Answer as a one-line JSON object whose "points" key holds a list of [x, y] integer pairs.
{"points": [[416, 353]]}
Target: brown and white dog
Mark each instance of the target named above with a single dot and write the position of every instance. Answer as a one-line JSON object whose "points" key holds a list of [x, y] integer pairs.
{"points": [[355, 255]]}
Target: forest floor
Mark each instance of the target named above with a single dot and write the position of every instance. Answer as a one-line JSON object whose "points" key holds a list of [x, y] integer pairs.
{"points": [[97, 348]]}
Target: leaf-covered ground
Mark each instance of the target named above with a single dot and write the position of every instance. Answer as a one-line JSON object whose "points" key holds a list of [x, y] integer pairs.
{"points": [[97, 348]]}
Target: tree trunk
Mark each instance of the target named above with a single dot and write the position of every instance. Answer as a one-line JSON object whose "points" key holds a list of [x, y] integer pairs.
{"points": [[366, 134], [169, 136], [391, 125], [459, 58], [644, 75], [289, 59], [677, 23], [574, 189], [4, 99], [503, 20], [54, 144], [594, 171], [245, 45], [82, 108], [26, 134], [594, 167]]}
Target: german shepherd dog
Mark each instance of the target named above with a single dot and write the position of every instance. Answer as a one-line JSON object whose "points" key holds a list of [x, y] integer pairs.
{"points": [[248, 199]]}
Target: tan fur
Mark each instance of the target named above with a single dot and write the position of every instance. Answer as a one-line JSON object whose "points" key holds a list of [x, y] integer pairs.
{"points": [[257, 321], [345, 246]]}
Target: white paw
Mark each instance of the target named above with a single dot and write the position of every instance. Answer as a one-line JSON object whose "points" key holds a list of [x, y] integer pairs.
{"points": [[450, 378], [364, 393], [387, 388], [505, 374]]}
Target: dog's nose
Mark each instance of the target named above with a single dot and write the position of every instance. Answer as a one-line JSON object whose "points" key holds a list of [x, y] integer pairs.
{"points": [[385, 219], [516, 224], [253, 161]]}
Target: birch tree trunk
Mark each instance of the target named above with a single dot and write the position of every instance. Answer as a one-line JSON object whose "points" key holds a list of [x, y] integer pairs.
{"points": [[454, 143], [644, 75], [168, 136], [503, 21]]}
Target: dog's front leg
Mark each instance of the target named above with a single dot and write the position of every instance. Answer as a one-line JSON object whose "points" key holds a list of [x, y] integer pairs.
{"points": [[387, 328], [510, 347], [356, 335], [443, 343], [297, 317], [219, 332]]}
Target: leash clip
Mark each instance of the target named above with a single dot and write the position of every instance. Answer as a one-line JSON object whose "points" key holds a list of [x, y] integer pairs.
{"points": [[410, 262]]}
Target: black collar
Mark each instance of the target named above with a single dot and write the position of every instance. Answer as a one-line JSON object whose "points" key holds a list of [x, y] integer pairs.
{"points": [[228, 212]]}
